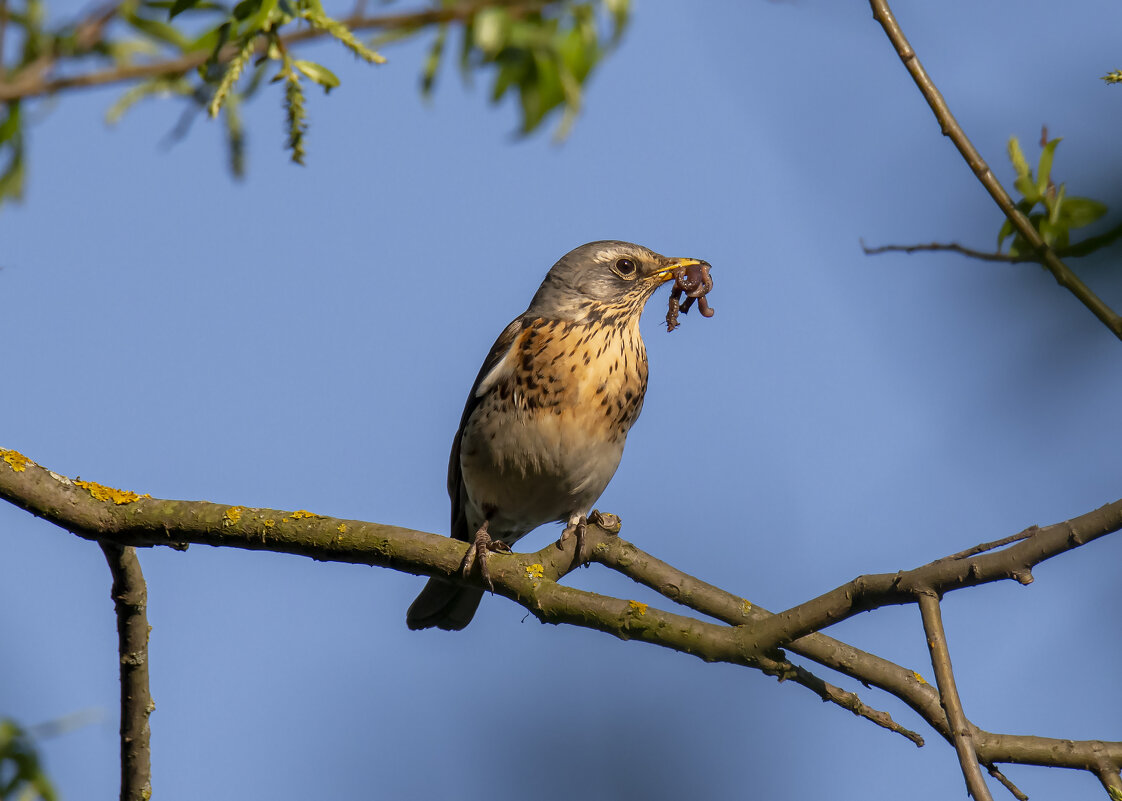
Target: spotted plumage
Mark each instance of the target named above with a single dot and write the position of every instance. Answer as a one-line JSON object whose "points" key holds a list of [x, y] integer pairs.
{"points": [[545, 423]]}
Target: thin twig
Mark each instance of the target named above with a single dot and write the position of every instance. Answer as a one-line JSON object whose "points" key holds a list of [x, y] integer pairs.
{"points": [[950, 127], [953, 247], [130, 597], [1001, 777], [1084, 248], [31, 83], [989, 546], [851, 701], [948, 692]]}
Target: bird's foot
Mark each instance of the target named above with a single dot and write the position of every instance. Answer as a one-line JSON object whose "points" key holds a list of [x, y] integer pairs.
{"points": [[606, 520], [479, 550], [578, 527]]}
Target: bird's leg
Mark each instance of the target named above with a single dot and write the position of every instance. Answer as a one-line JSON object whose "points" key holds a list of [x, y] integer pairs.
{"points": [[480, 547], [578, 527]]}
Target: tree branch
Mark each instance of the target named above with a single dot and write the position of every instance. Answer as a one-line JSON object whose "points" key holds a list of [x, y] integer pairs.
{"points": [[869, 669], [865, 593], [1111, 781], [952, 703], [130, 597], [953, 247], [950, 127], [1083, 248], [102, 513], [34, 82]]}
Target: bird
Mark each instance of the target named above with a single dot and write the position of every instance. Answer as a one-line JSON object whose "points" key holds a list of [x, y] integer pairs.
{"points": [[545, 422]]}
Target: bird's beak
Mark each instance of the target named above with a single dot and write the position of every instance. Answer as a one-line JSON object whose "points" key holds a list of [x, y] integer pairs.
{"points": [[664, 274]]}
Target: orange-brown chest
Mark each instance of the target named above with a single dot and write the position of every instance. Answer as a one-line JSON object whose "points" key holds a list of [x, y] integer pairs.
{"points": [[594, 375]]}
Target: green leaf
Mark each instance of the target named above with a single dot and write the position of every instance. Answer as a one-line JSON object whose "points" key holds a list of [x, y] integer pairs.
{"points": [[1044, 166], [197, 5], [1055, 206], [1080, 211], [246, 8], [151, 88], [1005, 232], [541, 93], [260, 18], [11, 180], [318, 73], [1027, 187], [432, 61], [513, 69], [211, 40], [10, 126], [179, 6], [578, 54], [19, 764], [235, 136], [160, 31]]}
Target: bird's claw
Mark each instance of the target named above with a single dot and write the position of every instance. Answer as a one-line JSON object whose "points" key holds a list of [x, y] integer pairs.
{"points": [[577, 527], [479, 549]]}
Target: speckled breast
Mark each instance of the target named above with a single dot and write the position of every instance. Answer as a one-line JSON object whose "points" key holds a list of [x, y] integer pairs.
{"points": [[549, 432]]}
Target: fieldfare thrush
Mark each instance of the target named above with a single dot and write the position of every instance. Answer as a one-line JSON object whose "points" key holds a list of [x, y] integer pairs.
{"points": [[546, 419]]}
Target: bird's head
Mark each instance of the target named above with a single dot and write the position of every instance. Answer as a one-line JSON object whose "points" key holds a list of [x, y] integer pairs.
{"points": [[601, 280]]}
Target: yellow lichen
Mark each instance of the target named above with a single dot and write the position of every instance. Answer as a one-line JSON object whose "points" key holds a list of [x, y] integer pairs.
{"points": [[342, 529], [747, 607], [101, 492], [268, 522], [16, 460], [636, 606], [919, 678], [535, 571], [300, 514], [233, 515]]}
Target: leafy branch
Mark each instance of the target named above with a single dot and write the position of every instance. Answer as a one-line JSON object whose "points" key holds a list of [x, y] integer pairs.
{"points": [[544, 50], [1034, 241], [1060, 213]]}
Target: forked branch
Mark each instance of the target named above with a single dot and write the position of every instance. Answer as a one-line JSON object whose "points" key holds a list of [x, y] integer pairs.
{"points": [[950, 127]]}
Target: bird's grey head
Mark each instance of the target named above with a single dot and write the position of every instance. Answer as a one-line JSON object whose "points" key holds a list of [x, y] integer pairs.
{"points": [[602, 279]]}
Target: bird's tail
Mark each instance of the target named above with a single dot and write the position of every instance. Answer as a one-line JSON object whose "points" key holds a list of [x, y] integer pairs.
{"points": [[443, 604]]}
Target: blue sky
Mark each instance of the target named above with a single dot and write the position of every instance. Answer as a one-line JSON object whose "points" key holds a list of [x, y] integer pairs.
{"points": [[306, 339]]}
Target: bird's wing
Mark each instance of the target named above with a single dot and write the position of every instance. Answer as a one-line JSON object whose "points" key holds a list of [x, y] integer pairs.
{"points": [[456, 492]]}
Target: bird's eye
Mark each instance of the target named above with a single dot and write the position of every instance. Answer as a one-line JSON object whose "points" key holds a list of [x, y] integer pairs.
{"points": [[625, 267]]}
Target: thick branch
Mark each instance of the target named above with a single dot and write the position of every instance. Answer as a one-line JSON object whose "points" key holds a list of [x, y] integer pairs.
{"points": [[96, 512], [952, 703], [130, 597], [34, 83], [950, 127]]}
